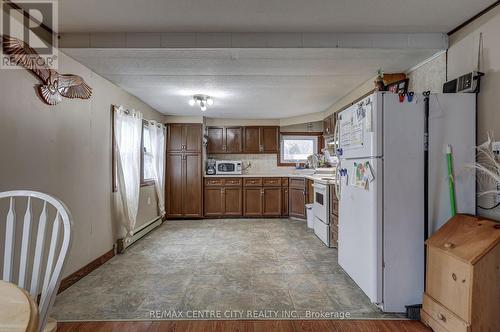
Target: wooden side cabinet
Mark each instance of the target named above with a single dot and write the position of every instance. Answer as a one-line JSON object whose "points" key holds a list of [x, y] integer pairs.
{"points": [[463, 276], [334, 218], [184, 183]]}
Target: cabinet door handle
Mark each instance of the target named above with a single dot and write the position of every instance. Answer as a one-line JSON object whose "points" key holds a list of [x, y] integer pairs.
{"points": [[441, 317], [454, 276], [449, 245]]}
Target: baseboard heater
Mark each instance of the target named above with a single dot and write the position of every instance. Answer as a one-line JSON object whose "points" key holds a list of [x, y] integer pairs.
{"points": [[139, 233]]}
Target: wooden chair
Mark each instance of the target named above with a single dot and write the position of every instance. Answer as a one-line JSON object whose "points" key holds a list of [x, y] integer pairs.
{"points": [[46, 261]]}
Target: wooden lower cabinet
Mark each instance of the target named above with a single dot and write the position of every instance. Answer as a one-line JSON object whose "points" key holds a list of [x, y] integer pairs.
{"points": [[214, 205], [297, 201], [271, 201], [233, 201], [223, 197], [284, 198], [249, 197], [253, 201]]}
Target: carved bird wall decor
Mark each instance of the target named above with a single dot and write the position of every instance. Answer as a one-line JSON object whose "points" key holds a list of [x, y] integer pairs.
{"points": [[55, 85]]}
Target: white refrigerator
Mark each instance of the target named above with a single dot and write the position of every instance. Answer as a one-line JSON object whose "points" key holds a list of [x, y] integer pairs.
{"points": [[381, 188]]}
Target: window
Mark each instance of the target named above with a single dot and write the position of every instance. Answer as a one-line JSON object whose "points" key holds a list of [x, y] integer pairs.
{"points": [[147, 175], [296, 148]]}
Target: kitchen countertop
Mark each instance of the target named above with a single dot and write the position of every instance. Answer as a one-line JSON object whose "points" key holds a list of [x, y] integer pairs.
{"points": [[321, 178]]}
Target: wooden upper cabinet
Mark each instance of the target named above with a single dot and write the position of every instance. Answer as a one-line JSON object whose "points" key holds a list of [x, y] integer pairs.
{"points": [[251, 142], [225, 139], [184, 137], [233, 139], [270, 139], [193, 138], [328, 126], [261, 140], [215, 140], [176, 138]]}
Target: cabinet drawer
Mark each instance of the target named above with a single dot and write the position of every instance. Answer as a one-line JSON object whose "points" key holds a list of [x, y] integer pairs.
{"points": [[284, 182], [443, 316], [252, 182], [271, 182], [431, 322], [232, 182], [214, 182], [297, 183], [449, 281]]}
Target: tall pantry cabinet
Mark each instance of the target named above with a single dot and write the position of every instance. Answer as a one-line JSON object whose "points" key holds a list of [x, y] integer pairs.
{"points": [[184, 182]]}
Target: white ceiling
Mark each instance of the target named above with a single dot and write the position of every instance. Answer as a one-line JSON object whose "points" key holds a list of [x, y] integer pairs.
{"points": [[265, 15], [254, 83], [245, 83]]}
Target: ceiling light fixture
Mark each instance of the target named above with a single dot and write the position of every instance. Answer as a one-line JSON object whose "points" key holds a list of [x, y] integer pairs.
{"points": [[202, 100]]}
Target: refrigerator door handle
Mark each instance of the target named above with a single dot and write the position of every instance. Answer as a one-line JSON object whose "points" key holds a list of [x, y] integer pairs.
{"points": [[337, 181]]}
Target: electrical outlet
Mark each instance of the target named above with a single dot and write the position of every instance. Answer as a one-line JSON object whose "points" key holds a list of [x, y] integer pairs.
{"points": [[149, 200], [495, 148]]}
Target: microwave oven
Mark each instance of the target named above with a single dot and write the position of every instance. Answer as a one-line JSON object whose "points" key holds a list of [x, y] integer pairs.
{"points": [[227, 167]]}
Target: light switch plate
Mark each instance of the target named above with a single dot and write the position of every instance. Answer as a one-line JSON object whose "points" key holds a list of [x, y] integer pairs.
{"points": [[495, 147]]}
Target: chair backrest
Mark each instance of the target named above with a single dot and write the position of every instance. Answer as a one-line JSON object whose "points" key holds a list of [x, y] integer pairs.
{"points": [[45, 260]]}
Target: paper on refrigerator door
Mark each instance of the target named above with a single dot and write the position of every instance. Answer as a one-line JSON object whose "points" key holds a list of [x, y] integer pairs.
{"points": [[362, 175], [368, 119], [351, 130]]}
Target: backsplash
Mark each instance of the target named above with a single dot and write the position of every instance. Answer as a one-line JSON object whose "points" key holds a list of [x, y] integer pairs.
{"points": [[260, 163]]}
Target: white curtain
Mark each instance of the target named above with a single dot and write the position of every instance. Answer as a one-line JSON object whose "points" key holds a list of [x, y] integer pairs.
{"points": [[128, 131], [157, 134]]}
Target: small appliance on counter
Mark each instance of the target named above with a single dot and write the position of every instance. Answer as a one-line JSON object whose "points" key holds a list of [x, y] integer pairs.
{"points": [[228, 167], [211, 167]]}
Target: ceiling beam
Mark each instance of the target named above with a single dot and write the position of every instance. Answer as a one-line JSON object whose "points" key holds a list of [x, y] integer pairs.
{"points": [[205, 40]]}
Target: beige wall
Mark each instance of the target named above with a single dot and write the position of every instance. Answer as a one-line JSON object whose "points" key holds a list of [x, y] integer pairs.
{"points": [[428, 76], [361, 90], [65, 150], [462, 58]]}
